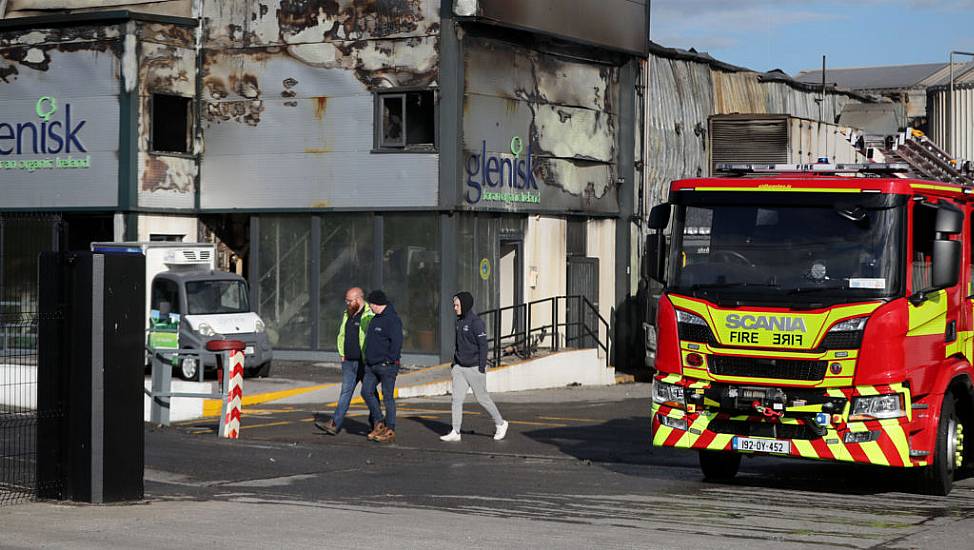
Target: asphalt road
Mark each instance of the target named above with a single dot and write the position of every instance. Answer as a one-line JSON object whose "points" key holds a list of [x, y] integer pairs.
{"points": [[576, 471]]}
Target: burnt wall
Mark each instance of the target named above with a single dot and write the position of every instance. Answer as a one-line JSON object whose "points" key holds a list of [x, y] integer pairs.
{"points": [[288, 102], [548, 111]]}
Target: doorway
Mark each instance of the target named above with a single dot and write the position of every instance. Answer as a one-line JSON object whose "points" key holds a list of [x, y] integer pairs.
{"points": [[583, 282], [510, 275]]}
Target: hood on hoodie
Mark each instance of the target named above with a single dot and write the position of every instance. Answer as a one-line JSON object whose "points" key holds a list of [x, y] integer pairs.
{"points": [[466, 302]]}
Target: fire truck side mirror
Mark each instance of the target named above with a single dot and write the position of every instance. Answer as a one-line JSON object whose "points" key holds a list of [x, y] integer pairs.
{"points": [[659, 217], [949, 220], [946, 263], [654, 257]]}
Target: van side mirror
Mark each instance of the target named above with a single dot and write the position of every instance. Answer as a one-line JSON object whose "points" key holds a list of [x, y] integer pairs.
{"points": [[654, 257], [659, 217]]}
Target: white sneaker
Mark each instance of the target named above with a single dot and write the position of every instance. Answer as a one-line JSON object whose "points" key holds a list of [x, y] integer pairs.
{"points": [[501, 430], [452, 436]]}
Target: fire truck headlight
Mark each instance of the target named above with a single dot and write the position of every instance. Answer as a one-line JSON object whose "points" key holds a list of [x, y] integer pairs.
{"points": [[668, 394], [689, 318], [676, 423], [877, 407], [850, 325]]}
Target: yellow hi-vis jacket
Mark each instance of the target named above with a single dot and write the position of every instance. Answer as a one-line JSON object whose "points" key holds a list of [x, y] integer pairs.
{"points": [[367, 315]]}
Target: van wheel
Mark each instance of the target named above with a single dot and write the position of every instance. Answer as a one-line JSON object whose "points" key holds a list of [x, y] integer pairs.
{"points": [[263, 371], [719, 466], [938, 478], [187, 368]]}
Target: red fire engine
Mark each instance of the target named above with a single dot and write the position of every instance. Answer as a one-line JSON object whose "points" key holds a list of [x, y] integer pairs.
{"points": [[815, 311]]}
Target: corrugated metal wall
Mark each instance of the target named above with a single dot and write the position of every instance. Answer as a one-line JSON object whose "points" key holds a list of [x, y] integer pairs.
{"points": [[683, 94], [680, 98], [960, 142]]}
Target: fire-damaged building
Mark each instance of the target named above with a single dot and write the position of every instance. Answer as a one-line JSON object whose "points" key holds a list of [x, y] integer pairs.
{"points": [[418, 146]]}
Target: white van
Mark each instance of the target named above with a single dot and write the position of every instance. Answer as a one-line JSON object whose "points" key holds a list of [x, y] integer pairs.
{"points": [[189, 303]]}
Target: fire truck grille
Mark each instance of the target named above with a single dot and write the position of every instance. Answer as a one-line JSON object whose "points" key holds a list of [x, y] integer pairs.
{"points": [[842, 340], [783, 369], [696, 333], [763, 429]]}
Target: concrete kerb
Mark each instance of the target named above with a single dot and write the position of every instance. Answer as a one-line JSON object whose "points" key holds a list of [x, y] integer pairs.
{"points": [[582, 367]]}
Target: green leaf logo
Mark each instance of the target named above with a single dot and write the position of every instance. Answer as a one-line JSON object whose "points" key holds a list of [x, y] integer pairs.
{"points": [[45, 108]]}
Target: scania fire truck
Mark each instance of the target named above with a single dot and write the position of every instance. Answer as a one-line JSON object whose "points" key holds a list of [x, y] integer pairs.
{"points": [[815, 311]]}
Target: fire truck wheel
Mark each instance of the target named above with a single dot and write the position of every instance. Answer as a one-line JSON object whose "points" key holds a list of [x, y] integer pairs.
{"points": [[938, 478], [719, 466]]}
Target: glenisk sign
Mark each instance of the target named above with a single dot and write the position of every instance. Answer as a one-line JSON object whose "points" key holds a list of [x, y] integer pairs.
{"points": [[50, 138]]}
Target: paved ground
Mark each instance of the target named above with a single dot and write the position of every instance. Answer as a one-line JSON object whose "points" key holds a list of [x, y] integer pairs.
{"points": [[575, 472]]}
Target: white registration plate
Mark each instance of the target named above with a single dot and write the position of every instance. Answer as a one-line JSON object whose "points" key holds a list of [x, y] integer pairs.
{"points": [[249, 350], [762, 445]]}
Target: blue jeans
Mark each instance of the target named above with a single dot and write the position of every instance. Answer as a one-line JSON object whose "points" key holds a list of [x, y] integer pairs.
{"points": [[385, 375], [352, 373]]}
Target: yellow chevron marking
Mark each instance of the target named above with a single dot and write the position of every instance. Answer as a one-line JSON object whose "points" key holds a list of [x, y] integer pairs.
{"points": [[661, 434], [720, 441], [898, 436], [805, 448], [867, 390], [671, 378], [874, 453], [839, 450]]}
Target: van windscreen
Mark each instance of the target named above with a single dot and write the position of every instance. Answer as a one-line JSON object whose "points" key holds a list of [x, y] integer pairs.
{"points": [[216, 297]]}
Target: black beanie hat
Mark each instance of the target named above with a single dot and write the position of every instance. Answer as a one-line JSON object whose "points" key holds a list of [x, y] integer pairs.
{"points": [[466, 302], [378, 298]]}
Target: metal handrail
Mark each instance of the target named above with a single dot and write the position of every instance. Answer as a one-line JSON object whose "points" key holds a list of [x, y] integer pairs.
{"points": [[521, 340]]}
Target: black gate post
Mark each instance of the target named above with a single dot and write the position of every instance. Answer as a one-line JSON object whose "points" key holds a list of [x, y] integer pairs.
{"points": [[92, 367]]}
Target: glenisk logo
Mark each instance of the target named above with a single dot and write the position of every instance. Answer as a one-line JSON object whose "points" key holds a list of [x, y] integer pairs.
{"points": [[48, 135]]}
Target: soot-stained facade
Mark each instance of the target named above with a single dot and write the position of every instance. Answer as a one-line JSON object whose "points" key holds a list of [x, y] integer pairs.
{"points": [[419, 146]]}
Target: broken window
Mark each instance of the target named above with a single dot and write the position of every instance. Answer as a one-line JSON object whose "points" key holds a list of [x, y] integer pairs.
{"points": [[407, 120], [172, 118]]}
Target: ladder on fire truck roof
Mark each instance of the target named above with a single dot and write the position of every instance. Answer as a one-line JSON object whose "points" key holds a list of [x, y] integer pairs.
{"points": [[873, 169]]}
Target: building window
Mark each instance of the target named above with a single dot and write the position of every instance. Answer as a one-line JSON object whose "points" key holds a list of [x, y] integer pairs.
{"points": [[348, 258], [172, 118], [283, 280], [166, 237], [406, 121], [411, 277]]}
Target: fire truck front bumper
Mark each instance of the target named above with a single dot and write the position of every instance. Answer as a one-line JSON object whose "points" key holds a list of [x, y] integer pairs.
{"points": [[825, 424]]}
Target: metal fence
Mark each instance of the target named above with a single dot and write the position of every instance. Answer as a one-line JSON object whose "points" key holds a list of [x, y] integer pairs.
{"points": [[544, 326], [22, 239]]}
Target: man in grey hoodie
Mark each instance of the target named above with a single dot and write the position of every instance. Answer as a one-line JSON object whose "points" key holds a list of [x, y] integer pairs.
{"points": [[470, 367]]}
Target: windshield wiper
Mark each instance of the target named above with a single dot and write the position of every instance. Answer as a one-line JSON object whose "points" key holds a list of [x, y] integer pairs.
{"points": [[814, 289], [736, 284]]}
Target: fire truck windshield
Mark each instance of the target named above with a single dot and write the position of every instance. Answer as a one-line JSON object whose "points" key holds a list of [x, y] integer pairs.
{"points": [[822, 250]]}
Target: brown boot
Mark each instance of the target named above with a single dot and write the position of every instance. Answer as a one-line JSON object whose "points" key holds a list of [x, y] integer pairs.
{"points": [[376, 430], [387, 436]]}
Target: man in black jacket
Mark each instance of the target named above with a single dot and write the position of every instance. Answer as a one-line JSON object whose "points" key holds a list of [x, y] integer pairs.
{"points": [[470, 367], [383, 347]]}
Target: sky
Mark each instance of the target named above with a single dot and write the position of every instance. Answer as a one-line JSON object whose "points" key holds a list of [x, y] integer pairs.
{"points": [[793, 35]]}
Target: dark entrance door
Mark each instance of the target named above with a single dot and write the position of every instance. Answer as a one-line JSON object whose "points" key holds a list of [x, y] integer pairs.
{"points": [[583, 282], [510, 276]]}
